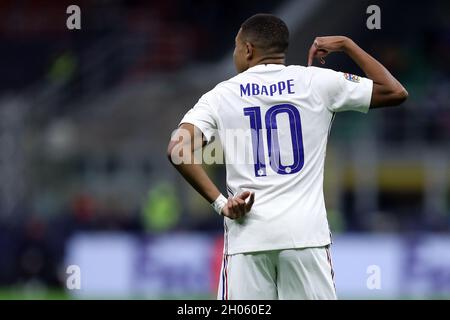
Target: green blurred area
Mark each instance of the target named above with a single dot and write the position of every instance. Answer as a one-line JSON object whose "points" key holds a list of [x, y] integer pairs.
{"points": [[21, 293], [18, 293], [59, 294]]}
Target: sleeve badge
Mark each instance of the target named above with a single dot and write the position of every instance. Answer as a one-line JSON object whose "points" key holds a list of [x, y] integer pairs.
{"points": [[352, 77]]}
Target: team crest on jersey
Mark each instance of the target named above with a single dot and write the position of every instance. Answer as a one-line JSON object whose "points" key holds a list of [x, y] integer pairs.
{"points": [[352, 77]]}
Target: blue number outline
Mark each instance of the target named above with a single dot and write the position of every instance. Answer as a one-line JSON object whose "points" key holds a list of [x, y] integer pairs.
{"points": [[254, 114]]}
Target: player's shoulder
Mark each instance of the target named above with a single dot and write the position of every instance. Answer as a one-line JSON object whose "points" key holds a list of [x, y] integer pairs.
{"points": [[217, 88], [317, 76], [319, 71], [296, 71], [223, 88], [212, 96], [295, 68], [307, 73], [306, 69], [222, 85], [230, 81]]}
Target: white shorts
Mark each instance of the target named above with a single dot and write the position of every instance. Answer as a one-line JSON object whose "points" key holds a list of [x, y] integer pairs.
{"points": [[282, 274]]}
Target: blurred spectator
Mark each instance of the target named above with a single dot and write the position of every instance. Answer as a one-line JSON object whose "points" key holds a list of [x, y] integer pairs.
{"points": [[161, 208], [62, 69]]}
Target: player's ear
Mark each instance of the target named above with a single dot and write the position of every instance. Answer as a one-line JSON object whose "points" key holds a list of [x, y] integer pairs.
{"points": [[249, 50]]}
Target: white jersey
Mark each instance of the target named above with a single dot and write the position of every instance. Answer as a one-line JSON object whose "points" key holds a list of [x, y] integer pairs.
{"points": [[288, 110]]}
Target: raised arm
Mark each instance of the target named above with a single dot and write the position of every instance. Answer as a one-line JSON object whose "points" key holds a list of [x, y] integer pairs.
{"points": [[387, 91]]}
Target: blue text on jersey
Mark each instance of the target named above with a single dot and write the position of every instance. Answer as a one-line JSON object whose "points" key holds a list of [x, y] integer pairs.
{"points": [[254, 89]]}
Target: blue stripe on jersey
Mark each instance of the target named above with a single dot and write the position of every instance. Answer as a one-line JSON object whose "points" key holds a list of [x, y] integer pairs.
{"points": [[230, 191]]}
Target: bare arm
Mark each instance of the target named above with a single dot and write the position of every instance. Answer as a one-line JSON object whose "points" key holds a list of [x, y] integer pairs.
{"points": [[181, 153], [188, 139], [387, 91]]}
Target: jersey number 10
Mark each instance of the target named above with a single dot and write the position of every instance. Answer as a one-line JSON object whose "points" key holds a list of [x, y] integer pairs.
{"points": [[254, 113]]}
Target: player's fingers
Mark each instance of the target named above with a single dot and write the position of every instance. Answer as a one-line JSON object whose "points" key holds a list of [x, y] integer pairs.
{"points": [[230, 204], [240, 202], [244, 195], [250, 202], [231, 211], [236, 208], [241, 206], [311, 54], [313, 50], [321, 54], [234, 204]]}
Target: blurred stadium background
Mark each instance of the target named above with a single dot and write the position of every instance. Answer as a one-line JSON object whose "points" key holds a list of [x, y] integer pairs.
{"points": [[85, 117]]}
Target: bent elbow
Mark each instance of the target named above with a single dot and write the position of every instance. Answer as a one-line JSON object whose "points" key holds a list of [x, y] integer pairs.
{"points": [[397, 96], [402, 95], [388, 96]]}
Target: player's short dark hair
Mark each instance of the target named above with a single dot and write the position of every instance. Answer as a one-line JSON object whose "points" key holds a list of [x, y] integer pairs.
{"points": [[267, 32]]}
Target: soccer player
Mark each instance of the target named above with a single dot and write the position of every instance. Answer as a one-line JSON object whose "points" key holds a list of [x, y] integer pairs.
{"points": [[277, 236]]}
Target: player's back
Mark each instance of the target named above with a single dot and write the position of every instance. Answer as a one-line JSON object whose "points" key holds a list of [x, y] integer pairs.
{"points": [[273, 123]]}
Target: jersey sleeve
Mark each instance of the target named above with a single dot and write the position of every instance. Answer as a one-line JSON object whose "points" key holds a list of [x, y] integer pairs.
{"points": [[344, 91], [202, 116]]}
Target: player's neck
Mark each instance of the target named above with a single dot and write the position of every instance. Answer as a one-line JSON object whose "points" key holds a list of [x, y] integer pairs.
{"points": [[276, 59]]}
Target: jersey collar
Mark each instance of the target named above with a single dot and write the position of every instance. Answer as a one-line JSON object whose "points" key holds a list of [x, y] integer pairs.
{"points": [[265, 67]]}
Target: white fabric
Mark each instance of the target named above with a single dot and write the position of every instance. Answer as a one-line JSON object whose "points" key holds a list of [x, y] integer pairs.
{"points": [[291, 274], [219, 203], [289, 209]]}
